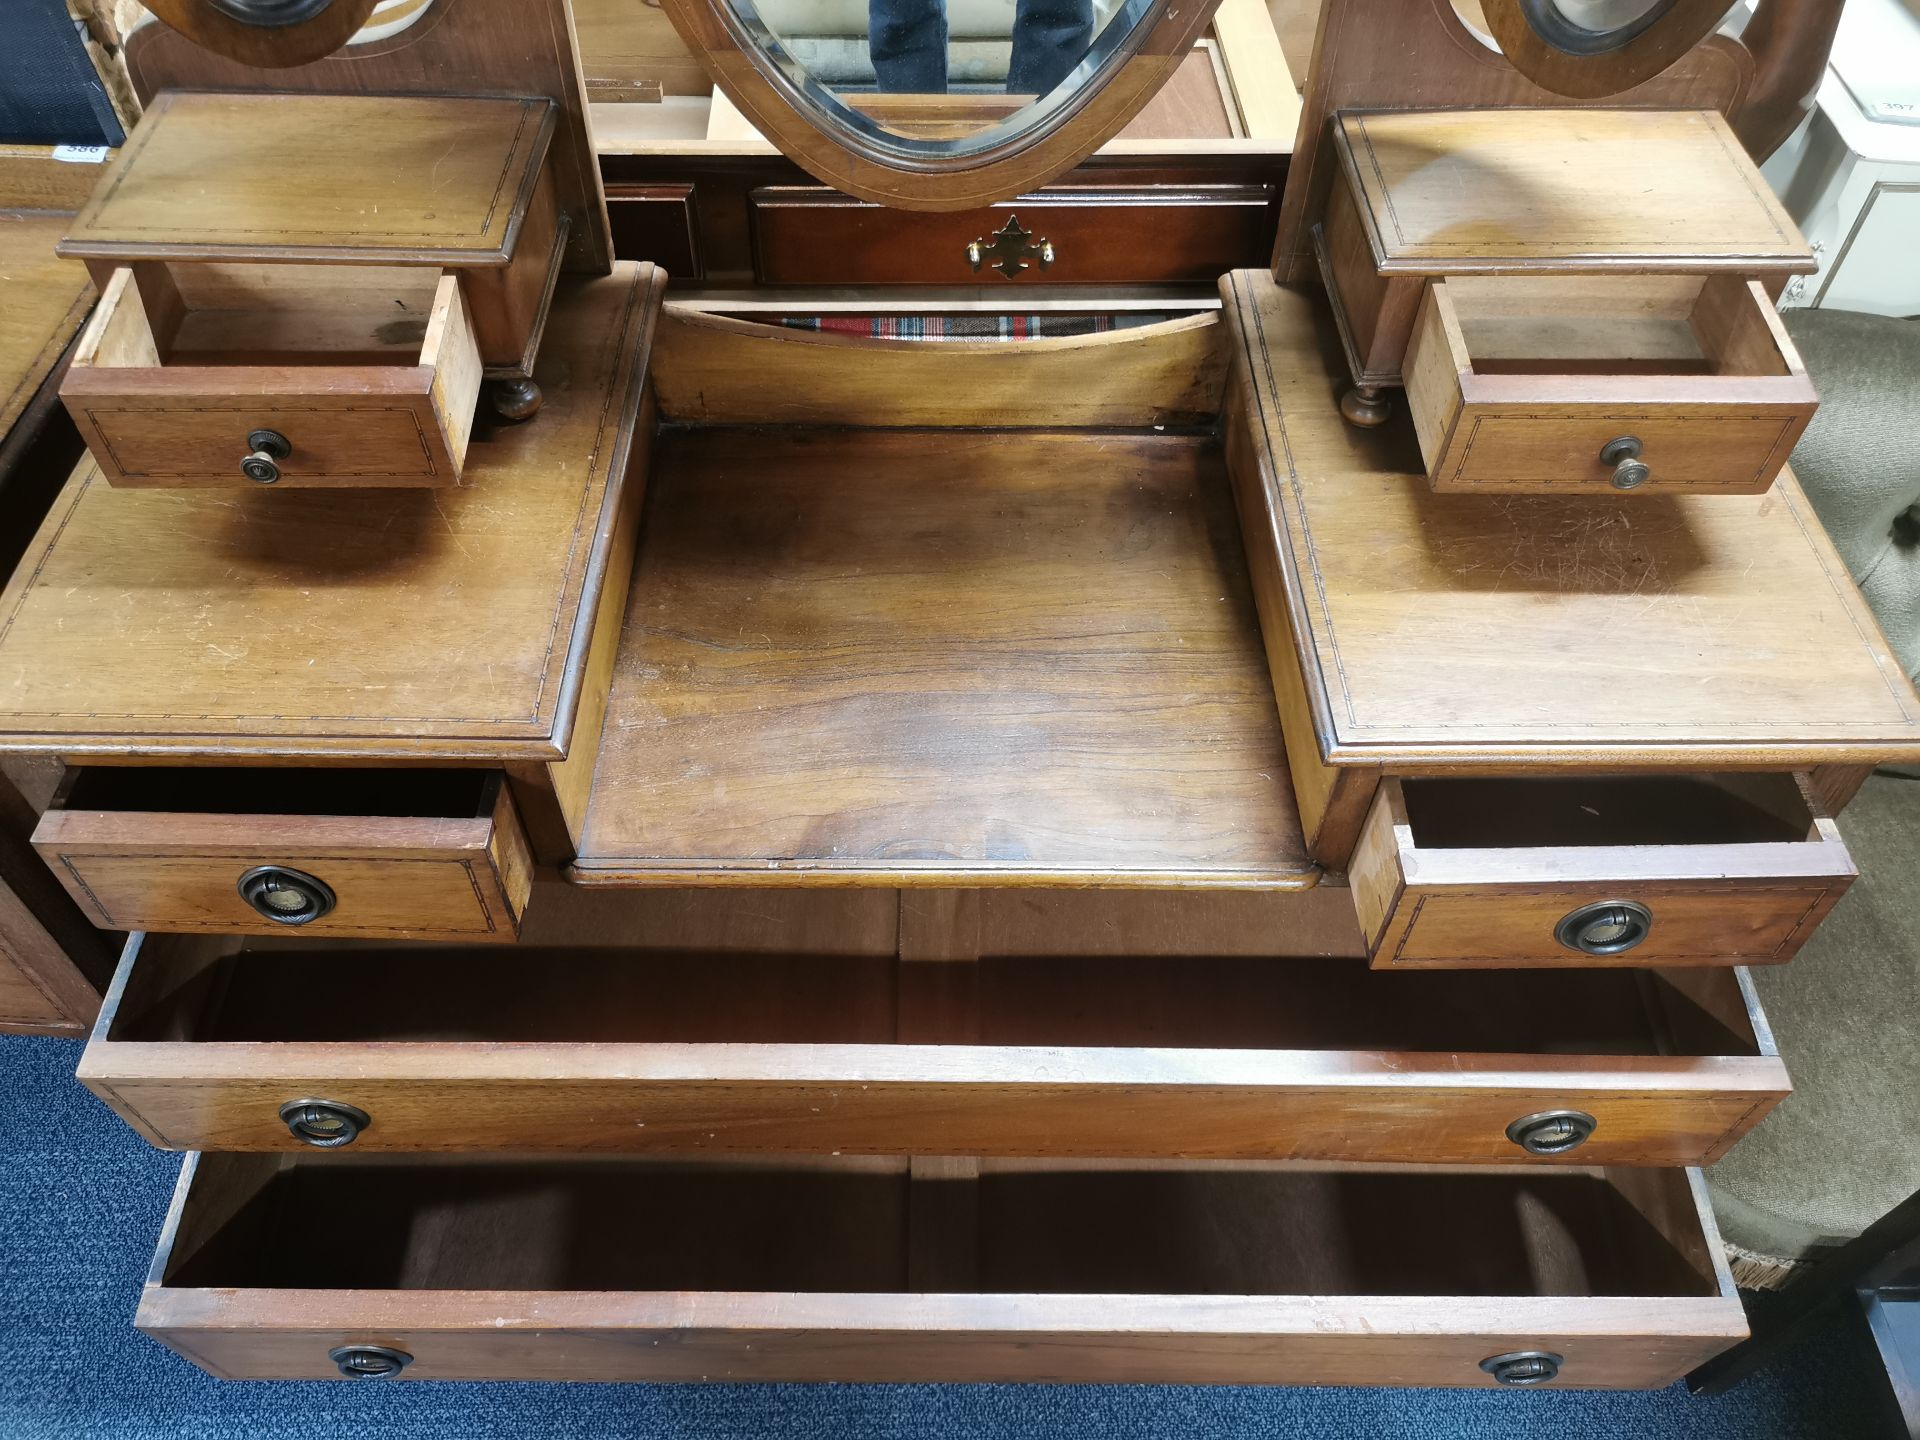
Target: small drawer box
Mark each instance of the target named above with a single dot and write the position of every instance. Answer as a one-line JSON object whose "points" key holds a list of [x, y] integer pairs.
{"points": [[1567, 383], [283, 375], [1671, 870], [397, 854]]}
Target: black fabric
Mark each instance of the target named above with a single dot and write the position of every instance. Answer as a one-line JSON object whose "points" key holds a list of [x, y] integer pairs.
{"points": [[49, 93]]}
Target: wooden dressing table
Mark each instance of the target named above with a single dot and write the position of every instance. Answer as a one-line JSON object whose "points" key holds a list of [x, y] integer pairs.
{"points": [[826, 857]]}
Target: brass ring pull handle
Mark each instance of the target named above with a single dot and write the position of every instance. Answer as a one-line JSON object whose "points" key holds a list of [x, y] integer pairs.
{"points": [[1010, 250], [1523, 1367], [1552, 1132], [1607, 927], [286, 896], [324, 1124], [1629, 470], [269, 448], [369, 1362]]}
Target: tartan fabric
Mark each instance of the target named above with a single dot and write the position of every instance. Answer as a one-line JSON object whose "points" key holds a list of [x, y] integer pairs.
{"points": [[969, 326]]}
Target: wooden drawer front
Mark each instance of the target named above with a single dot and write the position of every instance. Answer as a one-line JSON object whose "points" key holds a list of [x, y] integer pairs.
{"points": [[368, 375], [940, 1270], [1520, 384], [1727, 870], [426, 855], [805, 235], [200, 1046]]}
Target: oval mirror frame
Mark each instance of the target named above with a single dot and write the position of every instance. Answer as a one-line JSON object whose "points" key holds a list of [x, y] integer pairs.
{"points": [[1009, 159], [272, 34], [1557, 55]]}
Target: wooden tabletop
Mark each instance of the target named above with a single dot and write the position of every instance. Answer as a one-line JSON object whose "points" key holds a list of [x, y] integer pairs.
{"points": [[915, 656], [1480, 190], [43, 302], [345, 178], [1500, 632], [419, 624]]}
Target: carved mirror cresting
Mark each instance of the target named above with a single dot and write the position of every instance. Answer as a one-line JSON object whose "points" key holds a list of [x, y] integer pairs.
{"points": [[939, 104]]}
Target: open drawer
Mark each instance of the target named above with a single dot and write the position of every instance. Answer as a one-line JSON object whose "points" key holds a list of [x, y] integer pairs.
{"points": [[897, 1270], [1650, 870], [1642, 382], [403, 854], [628, 1048], [289, 375]]}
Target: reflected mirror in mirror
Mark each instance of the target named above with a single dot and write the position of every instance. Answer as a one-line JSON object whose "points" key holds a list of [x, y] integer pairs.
{"points": [[942, 77], [1591, 27]]}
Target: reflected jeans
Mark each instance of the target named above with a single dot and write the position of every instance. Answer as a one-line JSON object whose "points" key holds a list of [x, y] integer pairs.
{"points": [[908, 42]]}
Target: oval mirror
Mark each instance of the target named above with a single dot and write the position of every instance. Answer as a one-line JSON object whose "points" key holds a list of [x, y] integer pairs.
{"points": [[1592, 48], [268, 33], [939, 104]]}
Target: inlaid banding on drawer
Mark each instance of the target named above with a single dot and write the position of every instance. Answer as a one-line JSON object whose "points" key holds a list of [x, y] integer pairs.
{"points": [[630, 1048], [909, 1270], [374, 854], [1677, 870]]}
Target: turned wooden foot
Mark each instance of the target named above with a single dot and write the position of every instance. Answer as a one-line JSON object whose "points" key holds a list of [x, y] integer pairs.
{"points": [[1365, 406], [515, 400]]}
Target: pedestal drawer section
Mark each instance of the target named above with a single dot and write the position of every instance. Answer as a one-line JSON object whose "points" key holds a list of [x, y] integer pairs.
{"points": [[1651, 870], [395, 854], [945, 1270], [206, 1045], [1647, 383]]}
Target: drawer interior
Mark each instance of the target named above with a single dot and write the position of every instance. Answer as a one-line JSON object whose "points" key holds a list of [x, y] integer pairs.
{"points": [[260, 990], [244, 314], [1612, 325], [1523, 812], [279, 790], [815, 1224]]}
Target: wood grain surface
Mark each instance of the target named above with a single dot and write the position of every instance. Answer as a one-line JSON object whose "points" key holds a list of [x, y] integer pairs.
{"points": [[910, 657], [443, 180], [1083, 1273], [43, 303], [391, 624], [1500, 633]]}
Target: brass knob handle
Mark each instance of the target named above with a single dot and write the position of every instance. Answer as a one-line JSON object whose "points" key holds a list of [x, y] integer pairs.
{"points": [[324, 1124], [1552, 1132], [286, 896], [976, 257], [369, 1362], [1629, 470], [1523, 1367], [1010, 249], [269, 448], [1607, 927]]}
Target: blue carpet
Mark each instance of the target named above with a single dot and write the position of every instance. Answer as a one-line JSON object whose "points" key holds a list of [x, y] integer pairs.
{"points": [[82, 1198]]}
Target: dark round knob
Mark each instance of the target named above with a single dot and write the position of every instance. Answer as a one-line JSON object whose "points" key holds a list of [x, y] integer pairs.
{"points": [[1523, 1367], [269, 448], [1608, 927], [1629, 471], [1551, 1132], [286, 896], [324, 1124], [369, 1362]]}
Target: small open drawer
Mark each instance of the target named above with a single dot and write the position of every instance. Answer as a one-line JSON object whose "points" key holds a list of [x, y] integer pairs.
{"points": [[202, 1044], [1650, 870], [1642, 382], [403, 854], [849, 1269], [289, 375]]}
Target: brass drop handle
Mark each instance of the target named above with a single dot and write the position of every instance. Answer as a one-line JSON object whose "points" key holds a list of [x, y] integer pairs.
{"points": [[269, 448], [324, 1124], [1606, 927], [1629, 470], [1010, 249], [369, 1362], [1523, 1367]]}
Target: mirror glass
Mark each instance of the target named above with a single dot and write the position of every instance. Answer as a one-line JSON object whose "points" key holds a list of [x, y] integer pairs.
{"points": [[939, 78], [1589, 27]]}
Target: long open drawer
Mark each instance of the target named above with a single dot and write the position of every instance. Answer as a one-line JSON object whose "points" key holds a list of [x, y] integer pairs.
{"points": [[202, 1045], [937, 1270]]}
